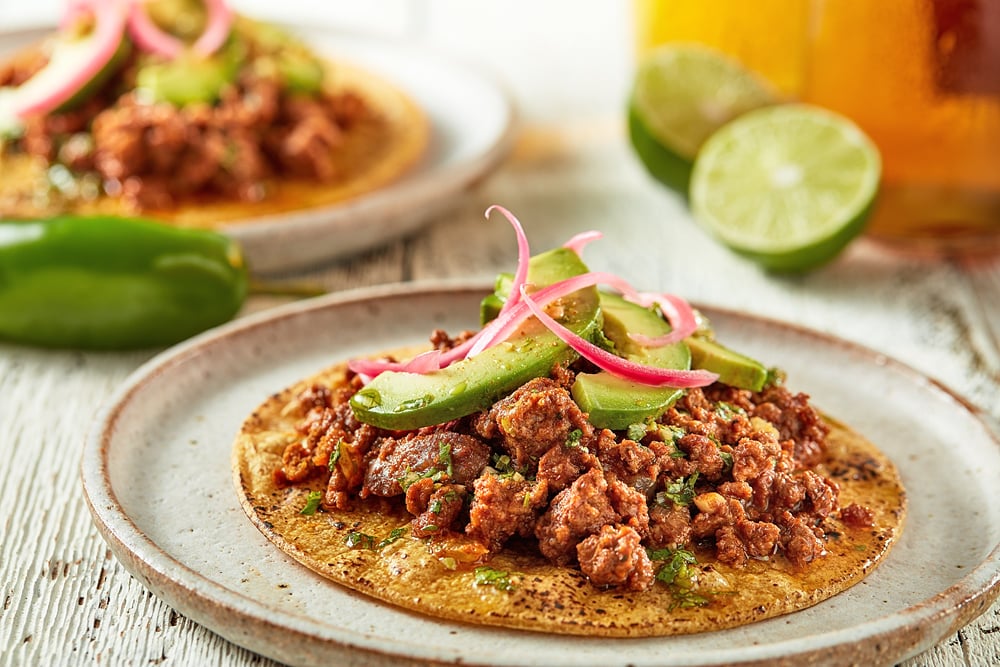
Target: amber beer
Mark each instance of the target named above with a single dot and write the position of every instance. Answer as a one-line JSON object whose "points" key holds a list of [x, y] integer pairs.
{"points": [[921, 77]]}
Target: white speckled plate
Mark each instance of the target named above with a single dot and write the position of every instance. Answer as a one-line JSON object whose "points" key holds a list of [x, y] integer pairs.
{"points": [[472, 129], [156, 474]]}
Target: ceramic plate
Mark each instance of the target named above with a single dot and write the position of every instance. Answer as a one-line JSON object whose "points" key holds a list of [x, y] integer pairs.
{"points": [[156, 474], [472, 129]]}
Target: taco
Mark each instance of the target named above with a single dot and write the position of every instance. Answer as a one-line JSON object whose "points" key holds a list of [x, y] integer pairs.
{"points": [[183, 111], [587, 463]]}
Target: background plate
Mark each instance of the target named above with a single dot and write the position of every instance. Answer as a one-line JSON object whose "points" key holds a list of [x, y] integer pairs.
{"points": [[472, 128], [157, 477]]}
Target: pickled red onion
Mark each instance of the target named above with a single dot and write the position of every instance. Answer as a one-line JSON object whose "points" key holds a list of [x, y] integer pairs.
{"points": [[677, 311], [501, 328], [523, 257], [623, 368], [516, 311], [66, 73], [220, 20], [150, 37], [370, 368], [579, 241]]}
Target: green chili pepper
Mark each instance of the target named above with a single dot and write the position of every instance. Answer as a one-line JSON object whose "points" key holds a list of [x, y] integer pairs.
{"points": [[102, 282]]}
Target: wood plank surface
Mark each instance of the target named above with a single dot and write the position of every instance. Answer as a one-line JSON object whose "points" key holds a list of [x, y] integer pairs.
{"points": [[65, 600]]}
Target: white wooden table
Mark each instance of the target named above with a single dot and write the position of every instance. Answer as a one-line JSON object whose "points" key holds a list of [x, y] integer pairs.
{"points": [[64, 599]]}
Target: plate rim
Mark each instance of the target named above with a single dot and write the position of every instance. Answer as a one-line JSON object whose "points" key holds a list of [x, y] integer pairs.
{"points": [[898, 635]]}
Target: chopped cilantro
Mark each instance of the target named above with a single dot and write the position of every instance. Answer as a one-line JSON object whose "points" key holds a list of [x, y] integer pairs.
{"points": [[444, 467], [727, 460], [674, 433], [357, 540], [444, 458], [676, 563], [680, 491], [506, 469], [410, 477], [335, 455], [636, 432], [434, 507], [775, 377], [503, 464], [573, 439], [676, 573], [670, 435], [312, 503], [487, 576], [394, 535], [728, 410]]}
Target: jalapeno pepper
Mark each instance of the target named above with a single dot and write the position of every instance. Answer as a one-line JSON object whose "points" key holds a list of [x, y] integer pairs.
{"points": [[104, 282]]}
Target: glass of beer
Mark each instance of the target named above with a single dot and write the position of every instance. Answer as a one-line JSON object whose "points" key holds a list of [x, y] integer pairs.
{"points": [[921, 77]]}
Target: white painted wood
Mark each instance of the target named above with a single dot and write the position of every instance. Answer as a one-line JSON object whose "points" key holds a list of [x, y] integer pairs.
{"points": [[64, 600]]}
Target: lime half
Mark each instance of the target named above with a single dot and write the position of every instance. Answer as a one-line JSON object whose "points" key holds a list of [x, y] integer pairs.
{"points": [[681, 95], [788, 186]]}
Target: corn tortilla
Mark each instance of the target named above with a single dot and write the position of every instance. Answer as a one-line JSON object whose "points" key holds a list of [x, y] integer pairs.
{"points": [[547, 598]]}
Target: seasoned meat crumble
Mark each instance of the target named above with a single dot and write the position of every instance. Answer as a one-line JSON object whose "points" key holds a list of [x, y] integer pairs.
{"points": [[724, 469]]}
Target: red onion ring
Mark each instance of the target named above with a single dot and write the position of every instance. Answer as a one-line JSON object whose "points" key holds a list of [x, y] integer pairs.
{"points": [[579, 241], [151, 38], [623, 368], [368, 369], [676, 310], [220, 22], [52, 86], [516, 311], [523, 257], [148, 36]]}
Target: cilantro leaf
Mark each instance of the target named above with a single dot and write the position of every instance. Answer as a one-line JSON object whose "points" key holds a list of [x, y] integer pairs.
{"points": [[636, 432], [312, 503], [487, 576], [444, 458], [394, 535], [680, 491], [335, 455], [358, 540], [677, 574]]}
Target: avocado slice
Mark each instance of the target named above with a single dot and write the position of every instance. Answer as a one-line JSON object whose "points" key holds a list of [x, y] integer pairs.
{"points": [[301, 71], [404, 401], [280, 54], [188, 79], [613, 402], [734, 369]]}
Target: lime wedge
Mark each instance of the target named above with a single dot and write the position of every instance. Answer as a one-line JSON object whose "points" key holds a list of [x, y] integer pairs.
{"points": [[681, 95], [788, 186]]}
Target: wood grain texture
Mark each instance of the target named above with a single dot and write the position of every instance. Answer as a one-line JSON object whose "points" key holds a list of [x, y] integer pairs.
{"points": [[64, 600]]}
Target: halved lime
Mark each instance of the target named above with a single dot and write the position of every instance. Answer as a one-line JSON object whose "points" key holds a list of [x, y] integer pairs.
{"points": [[788, 186], [681, 95]]}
